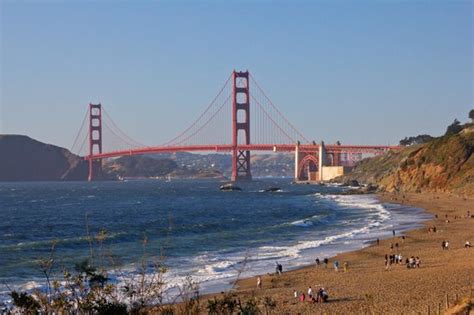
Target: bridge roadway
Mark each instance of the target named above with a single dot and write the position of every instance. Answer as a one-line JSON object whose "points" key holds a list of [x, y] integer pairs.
{"points": [[309, 148]]}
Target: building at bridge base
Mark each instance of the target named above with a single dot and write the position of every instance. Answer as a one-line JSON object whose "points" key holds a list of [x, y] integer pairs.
{"points": [[318, 165]]}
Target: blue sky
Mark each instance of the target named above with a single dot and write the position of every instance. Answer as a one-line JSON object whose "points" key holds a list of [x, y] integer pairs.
{"points": [[362, 72]]}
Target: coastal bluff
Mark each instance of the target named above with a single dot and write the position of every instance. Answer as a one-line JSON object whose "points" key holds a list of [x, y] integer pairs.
{"points": [[444, 164], [25, 159]]}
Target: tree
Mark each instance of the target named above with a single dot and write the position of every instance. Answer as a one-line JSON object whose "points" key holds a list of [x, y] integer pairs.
{"points": [[415, 140], [471, 115], [454, 128]]}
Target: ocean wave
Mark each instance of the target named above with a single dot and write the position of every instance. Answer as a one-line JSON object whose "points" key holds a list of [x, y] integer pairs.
{"points": [[365, 202], [294, 251], [309, 221]]}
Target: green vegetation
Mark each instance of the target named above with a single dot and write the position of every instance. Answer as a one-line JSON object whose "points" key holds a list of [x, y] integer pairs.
{"points": [[416, 140], [454, 128]]}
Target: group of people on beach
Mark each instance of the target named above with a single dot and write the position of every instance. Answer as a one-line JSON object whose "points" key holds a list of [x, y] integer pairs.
{"points": [[335, 264], [321, 295], [325, 262], [412, 262]]}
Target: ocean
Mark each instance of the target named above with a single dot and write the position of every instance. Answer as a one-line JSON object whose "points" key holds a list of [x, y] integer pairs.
{"points": [[200, 231]]}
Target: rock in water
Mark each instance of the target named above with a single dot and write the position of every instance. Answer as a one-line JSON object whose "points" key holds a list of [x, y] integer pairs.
{"points": [[229, 187]]}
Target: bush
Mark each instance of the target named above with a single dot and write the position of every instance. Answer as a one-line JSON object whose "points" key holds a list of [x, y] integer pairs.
{"points": [[454, 128]]}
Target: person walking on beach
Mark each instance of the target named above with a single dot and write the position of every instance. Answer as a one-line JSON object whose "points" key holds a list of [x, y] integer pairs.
{"points": [[446, 243], [278, 268], [378, 242], [393, 232], [443, 243], [336, 265], [346, 266], [317, 262], [310, 292], [325, 262], [295, 293], [302, 297], [259, 282]]}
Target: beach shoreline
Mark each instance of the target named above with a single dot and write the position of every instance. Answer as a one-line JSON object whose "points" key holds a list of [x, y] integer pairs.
{"points": [[367, 286]]}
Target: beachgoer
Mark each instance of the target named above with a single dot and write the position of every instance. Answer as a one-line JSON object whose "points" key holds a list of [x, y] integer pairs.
{"points": [[412, 262], [295, 293], [259, 282], [336, 265], [378, 242], [467, 245], [302, 297], [446, 244], [322, 295], [346, 266], [393, 232], [417, 262], [317, 262], [443, 243], [310, 292], [280, 268], [325, 262], [391, 246]]}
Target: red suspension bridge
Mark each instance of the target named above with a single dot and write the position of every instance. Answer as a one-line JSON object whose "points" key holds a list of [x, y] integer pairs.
{"points": [[239, 120]]}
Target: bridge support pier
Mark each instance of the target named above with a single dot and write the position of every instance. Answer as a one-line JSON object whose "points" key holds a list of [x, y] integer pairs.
{"points": [[306, 164], [240, 103], [95, 138]]}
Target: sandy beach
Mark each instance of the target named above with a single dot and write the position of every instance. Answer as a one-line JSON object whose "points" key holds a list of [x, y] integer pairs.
{"points": [[367, 287]]}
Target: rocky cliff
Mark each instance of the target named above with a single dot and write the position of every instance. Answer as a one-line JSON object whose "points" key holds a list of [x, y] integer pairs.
{"points": [[442, 164], [26, 159]]}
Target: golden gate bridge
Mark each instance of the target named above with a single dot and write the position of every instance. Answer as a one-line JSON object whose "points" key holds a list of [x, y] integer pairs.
{"points": [[240, 119]]}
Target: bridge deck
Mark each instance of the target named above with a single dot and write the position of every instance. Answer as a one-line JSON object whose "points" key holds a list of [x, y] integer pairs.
{"points": [[250, 147]]}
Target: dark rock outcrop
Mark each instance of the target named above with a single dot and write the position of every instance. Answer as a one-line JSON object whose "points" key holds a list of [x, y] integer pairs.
{"points": [[26, 159]]}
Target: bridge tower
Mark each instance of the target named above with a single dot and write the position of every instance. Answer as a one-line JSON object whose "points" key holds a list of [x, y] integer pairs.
{"points": [[240, 103], [95, 138]]}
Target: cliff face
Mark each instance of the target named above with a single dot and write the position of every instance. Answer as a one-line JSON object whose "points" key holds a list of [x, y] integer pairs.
{"points": [[25, 159], [443, 164]]}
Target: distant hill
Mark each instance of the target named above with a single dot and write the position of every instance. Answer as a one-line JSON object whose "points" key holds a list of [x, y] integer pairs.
{"points": [[140, 166], [26, 159], [263, 165], [443, 164]]}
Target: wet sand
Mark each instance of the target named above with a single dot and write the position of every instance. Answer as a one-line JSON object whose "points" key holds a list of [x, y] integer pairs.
{"points": [[368, 288]]}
